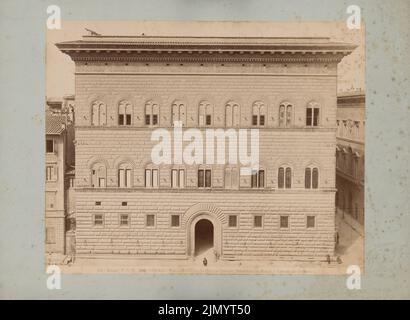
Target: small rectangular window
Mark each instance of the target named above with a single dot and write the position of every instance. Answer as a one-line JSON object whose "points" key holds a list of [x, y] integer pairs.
{"points": [[98, 203], [175, 221], [98, 220], [150, 220], [284, 221], [50, 235], [257, 221], [310, 223], [124, 203], [49, 145], [124, 219], [233, 221]]}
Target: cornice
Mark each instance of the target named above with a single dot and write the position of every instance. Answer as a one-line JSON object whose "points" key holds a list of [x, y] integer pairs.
{"points": [[253, 50]]}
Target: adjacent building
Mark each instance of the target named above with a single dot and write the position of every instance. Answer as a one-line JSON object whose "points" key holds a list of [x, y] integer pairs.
{"points": [[59, 160], [350, 157], [128, 87]]}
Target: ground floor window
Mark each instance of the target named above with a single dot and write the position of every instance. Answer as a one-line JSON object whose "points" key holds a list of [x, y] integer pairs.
{"points": [[284, 221], [50, 235], [311, 221], [150, 220], [233, 221], [257, 221], [175, 220], [98, 219]]}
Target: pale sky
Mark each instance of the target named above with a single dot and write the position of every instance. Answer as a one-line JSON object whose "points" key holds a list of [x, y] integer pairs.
{"points": [[60, 68]]}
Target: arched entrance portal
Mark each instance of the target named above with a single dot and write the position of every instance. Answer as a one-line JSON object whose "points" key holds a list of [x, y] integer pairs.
{"points": [[204, 236]]}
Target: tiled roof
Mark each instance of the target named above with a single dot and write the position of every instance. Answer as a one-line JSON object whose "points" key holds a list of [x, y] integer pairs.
{"points": [[55, 124]]}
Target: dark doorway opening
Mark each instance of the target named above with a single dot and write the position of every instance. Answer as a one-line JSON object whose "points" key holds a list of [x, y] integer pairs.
{"points": [[204, 236]]}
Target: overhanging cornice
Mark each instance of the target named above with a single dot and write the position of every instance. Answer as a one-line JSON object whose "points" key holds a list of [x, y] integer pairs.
{"points": [[199, 49]]}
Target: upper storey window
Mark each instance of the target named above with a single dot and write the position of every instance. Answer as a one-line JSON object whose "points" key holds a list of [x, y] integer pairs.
{"points": [[124, 175], [312, 114], [284, 178], [151, 113], [179, 112], [99, 114], [205, 113], [258, 113], [285, 115], [124, 113], [311, 178], [98, 175], [232, 112]]}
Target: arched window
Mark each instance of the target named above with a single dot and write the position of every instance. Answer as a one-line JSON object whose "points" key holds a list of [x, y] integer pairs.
{"points": [[204, 177], [312, 114], [285, 115], [98, 114], [178, 112], [258, 179], [231, 177], [258, 114], [232, 114], [151, 113], [177, 178], [205, 113], [284, 178], [124, 113], [151, 177], [311, 178], [125, 175], [98, 175]]}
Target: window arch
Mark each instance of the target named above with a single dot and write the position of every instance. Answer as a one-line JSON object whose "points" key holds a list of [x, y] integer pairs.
{"points": [[312, 114], [284, 177], [258, 113], [232, 114], [205, 113], [125, 175], [151, 113], [98, 114], [124, 113], [311, 177], [98, 175], [285, 114], [178, 112]]}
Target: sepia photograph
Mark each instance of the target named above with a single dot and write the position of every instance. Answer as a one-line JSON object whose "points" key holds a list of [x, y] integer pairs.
{"points": [[205, 147], [204, 159]]}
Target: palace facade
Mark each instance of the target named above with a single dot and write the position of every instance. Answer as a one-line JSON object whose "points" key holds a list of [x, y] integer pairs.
{"points": [[127, 87]]}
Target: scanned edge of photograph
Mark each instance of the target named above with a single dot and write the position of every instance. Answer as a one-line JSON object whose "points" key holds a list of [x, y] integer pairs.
{"points": [[204, 147]]}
